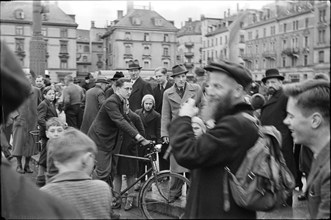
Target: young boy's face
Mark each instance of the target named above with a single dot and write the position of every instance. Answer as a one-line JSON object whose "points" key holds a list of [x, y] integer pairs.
{"points": [[54, 132]]}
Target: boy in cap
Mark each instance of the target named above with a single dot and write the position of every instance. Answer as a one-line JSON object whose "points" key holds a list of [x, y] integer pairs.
{"points": [[223, 145]]}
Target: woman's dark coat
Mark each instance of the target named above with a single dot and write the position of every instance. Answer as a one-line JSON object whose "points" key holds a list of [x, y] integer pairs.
{"points": [[126, 166], [224, 145]]}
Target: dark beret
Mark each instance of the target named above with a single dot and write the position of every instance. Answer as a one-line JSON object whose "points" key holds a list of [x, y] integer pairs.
{"points": [[234, 70]]}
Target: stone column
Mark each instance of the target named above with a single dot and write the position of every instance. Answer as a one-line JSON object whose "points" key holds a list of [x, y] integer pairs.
{"points": [[37, 43]]}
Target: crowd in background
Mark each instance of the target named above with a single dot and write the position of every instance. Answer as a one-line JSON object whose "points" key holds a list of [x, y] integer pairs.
{"points": [[100, 117]]}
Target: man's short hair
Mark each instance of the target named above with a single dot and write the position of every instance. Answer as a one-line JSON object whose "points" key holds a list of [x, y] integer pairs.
{"points": [[70, 145], [120, 82], [161, 69], [69, 78], [54, 121], [311, 95]]}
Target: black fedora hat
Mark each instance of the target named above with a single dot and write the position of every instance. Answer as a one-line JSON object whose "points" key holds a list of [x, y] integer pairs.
{"points": [[133, 64], [117, 75], [272, 73], [178, 69]]}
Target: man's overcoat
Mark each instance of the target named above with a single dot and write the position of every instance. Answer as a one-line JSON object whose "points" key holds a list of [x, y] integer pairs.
{"points": [[224, 145], [139, 89]]}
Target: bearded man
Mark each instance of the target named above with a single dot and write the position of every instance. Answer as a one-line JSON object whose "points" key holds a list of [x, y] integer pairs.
{"points": [[274, 112], [223, 145]]}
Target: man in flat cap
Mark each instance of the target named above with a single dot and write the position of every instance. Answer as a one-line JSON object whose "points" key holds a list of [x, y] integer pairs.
{"points": [[111, 87], [173, 98], [223, 145], [95, 97], [273, 112]]}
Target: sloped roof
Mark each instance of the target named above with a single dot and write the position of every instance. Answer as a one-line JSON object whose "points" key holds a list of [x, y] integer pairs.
{"points": [[190, 28], [83, 35], [55, 14], [147, 21]]}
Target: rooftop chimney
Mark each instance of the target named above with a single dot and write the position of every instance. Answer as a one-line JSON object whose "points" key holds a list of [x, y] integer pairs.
{"points": [[189, 19], [92, 24], [119, 14], [202, 17]]}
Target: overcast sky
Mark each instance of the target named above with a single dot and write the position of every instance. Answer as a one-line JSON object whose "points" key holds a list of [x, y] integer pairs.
{"points": [[177, 10]]}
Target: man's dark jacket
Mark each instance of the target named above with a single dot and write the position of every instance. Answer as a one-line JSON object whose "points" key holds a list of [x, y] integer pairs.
{"points": [[139, 89], [224, 145]]}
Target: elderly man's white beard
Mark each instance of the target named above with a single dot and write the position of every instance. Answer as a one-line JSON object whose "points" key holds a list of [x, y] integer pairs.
{"points": [[216, 109]]}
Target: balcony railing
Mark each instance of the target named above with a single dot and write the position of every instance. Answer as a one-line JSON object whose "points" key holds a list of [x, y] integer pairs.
{"points": [[188, 54], [20, 53], [128, 56], [146, 56], [64, 56], [248, 56], [189, 44], [291, 51], [269, 54]]}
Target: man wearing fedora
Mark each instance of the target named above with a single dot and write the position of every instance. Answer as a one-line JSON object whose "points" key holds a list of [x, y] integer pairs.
{"points": [[173, 98], [95, 97], [110, 89], [273, 112], [140, 87]]}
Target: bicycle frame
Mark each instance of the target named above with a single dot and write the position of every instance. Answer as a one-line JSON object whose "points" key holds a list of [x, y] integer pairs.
{"points": [[153, 168]]}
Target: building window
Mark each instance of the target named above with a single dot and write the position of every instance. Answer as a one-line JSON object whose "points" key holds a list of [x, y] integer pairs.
{"points": [[146, 50], [256, 49], [295, 25], [242, 39], [322, 15], [19, 30], [64, 64], [146, 64], [226, 39], [19, 14], [306, 41], [19, 44], [84, 58], [241, 52], [127, 49], [166, 38], [264, 64], [165, 51], [321, 56], [166, 64], [264, 32], [284, 61], [250, 35], [305, 60], [63, 47], [284, 44], [86, 49], [284, 28], [146, 36], [256, 34], [256, 64], [216, 41], [294, 42], [306, 22], [127, 36], [221, 41], [273, 30], [136, 21], [321, 36], [64, 32], [294, 61], [158, 22], [44, 31]]}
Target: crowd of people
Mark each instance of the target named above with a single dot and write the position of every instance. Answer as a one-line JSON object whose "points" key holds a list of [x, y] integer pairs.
{"points": [[200, 125]]}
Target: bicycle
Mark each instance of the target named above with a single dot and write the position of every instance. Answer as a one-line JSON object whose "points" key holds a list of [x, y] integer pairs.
{"points": [[154, 197]]}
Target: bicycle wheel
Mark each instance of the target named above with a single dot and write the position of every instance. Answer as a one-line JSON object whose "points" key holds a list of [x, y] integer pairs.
{"points": [[157, 201]]}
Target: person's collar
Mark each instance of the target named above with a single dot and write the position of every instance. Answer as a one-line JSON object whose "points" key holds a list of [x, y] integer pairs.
{"points": [[120, 96], [177, 88], [164, 84], [69, 176], [133, 81]]}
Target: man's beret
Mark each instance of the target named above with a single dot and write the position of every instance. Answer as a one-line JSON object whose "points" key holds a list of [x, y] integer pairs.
{"points": [[233, 70]]}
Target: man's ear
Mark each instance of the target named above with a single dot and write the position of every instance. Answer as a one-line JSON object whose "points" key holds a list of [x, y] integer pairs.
{"points": [[316, 119]]}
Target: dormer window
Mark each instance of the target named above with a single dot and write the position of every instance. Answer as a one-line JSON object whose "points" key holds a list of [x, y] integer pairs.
{"points": [[146, 37], [44, 17], [158, 22], [165, 37], [136, 21], [19, 14]]}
